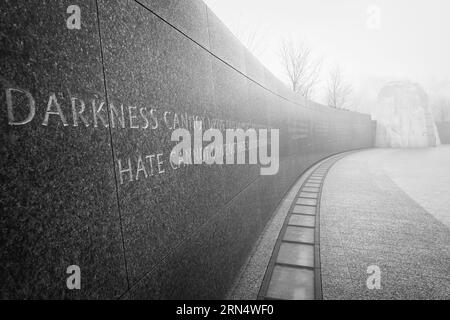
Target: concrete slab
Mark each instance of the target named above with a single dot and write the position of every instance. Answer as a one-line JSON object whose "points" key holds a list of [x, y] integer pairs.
{"points": [[299, 234], [313, 184], [311, 189], [302, 220], [372, 215], [307, 201], [302, 209], [296, 254], [308, 195], [291, 284]]}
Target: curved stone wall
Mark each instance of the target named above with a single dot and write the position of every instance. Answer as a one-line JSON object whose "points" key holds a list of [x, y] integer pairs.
{"points": [[86, 116]]}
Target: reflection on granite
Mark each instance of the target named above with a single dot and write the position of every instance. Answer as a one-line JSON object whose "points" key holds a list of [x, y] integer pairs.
{"points": [[88, 180]]}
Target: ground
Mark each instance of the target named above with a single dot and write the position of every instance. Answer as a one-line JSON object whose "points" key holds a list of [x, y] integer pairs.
{"points": [[388, 208]]}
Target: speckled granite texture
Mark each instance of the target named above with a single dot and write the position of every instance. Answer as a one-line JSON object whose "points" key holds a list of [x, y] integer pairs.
{"points": [[58, 195], [367, 219], [133, 72]]}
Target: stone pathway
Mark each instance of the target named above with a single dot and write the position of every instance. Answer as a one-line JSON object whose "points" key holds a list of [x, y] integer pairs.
{"points": [[294, 268], [367, 220], [355, 217]]}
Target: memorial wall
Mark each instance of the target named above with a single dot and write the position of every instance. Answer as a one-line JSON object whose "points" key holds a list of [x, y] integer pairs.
{"points": [[91, 91]]}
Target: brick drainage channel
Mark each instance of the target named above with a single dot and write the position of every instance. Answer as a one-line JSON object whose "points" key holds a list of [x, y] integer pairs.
{"points": [[293, 272]]}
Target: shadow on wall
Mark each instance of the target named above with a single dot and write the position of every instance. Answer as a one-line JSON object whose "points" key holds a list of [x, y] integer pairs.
{"points": [[404, 118]]}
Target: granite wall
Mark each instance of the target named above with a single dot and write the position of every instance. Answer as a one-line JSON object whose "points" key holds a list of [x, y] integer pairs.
{"points": [[86, 114]]}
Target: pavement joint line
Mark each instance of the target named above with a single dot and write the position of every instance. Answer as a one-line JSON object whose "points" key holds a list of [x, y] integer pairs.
{"points": [[298, 266], [308, 205], [299, 225], [306, 197], [298, 242], [310, 197], [303, 214], [312, 177]]}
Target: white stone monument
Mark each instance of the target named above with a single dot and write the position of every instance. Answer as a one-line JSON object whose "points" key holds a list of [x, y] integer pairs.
{"points": [[404, 118]]}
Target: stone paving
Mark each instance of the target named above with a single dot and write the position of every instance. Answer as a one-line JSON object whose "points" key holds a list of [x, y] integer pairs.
{"points": [[293, 272], [376, 210], [423, 174]]}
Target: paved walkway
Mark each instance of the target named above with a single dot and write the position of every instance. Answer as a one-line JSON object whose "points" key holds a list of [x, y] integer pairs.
{"points": [[388, 208], [293, 272], [285, 262]]}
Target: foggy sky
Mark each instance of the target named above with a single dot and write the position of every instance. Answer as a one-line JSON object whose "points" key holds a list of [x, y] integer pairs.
{"points": [[413, 41]]}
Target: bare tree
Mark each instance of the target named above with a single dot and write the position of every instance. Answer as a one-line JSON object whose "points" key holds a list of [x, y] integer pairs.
{"points": [[252, 37], [338, 91], [300, 67], [254, 42]]}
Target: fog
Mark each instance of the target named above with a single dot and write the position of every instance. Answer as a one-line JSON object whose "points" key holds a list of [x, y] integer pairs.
{"points": [[372, 41]]}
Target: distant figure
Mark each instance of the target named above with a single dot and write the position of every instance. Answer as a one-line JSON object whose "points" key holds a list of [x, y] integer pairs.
{"points": [[404, 118]]}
